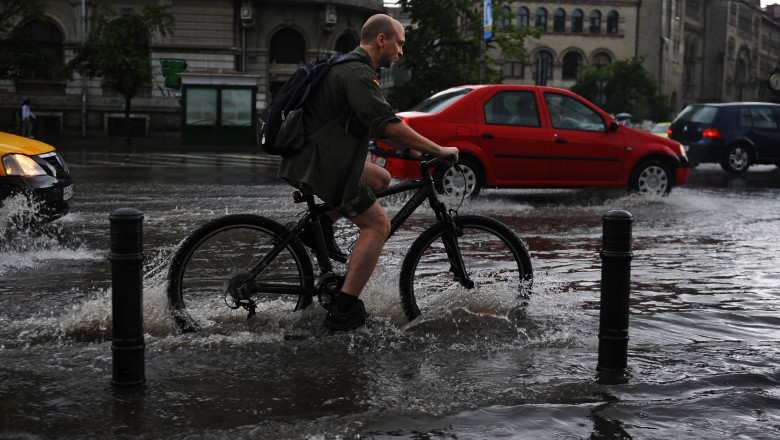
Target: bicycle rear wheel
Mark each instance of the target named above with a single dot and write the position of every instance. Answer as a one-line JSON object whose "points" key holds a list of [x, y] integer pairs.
{"points": [[209, 271], [494, 257]]}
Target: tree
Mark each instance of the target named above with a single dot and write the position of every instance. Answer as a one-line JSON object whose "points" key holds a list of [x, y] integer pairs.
{"points": [[442, 46], [629, 88], [18, 51], [116, 50]]}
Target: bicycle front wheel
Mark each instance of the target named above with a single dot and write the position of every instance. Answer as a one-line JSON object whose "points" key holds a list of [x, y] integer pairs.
{"points": [[495, 260], [208, 280]]}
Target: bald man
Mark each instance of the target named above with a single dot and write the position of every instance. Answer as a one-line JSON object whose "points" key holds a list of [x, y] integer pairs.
{"points": [[334, 166]]}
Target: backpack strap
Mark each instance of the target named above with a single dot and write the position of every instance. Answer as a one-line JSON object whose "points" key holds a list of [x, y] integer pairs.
{"points": [[339, 58]]}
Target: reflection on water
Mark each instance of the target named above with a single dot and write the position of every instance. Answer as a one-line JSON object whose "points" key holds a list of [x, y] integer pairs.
{"points": [[703, 343]]}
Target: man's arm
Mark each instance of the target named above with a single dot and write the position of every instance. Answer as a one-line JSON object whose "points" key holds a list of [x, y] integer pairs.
{"points": [[401, 136]]}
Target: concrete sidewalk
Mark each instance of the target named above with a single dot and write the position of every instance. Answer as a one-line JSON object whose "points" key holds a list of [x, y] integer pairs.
{"points": [[171, 143]]}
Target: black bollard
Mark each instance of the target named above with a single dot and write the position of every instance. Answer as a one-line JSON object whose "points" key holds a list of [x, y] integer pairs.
{"points": [[615, 291], [126, 259]]}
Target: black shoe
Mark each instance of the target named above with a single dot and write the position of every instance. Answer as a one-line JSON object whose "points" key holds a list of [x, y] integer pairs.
{"points": [[353, 318], [334, 251]]}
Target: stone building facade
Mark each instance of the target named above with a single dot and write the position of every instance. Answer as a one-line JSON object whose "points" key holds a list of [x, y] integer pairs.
{"points": [[699, 50], [228, 41]]}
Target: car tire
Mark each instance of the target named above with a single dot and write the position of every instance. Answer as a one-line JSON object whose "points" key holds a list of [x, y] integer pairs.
{"points": [[736, 160], [465, 178], [652, 177]]}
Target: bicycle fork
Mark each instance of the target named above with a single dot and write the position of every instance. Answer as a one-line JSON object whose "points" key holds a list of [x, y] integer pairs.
{"points": [[450, 240]]}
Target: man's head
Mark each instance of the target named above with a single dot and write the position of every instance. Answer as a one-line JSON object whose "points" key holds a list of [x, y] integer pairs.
{"points": [[383, 38]]}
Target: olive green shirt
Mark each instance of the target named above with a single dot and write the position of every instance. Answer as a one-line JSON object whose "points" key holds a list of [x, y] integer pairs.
{"points": [[331, 165]]}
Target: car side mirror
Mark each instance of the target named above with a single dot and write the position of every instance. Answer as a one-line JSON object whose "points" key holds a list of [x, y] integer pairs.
{"points": [[613, 125]]}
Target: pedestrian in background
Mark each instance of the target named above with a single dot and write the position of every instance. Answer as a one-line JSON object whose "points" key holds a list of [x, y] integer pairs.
{"points": [[27, 119]]}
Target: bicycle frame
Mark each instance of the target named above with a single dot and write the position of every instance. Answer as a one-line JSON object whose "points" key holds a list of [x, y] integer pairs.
{"points": [[424, 190]]}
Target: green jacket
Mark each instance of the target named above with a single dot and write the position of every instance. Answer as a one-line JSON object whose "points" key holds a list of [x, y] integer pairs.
{"points": [[330, 166]]}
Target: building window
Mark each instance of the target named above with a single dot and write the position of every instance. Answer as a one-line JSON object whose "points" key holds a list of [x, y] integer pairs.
{"points": [[571, 65], [543, 66], [600, 60], [48, 39], [347, 42], [505, 20], [559, 20], [541, 18], [514, 69], [522, 17], [612, 22], [288, 47], [576, 21], [595, 22]]}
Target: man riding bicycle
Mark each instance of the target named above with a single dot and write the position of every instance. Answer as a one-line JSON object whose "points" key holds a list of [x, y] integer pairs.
{"points": [[334, 166]]}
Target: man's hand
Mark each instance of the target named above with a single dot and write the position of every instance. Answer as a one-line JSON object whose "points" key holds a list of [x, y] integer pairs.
{"points": [[448, 155]]}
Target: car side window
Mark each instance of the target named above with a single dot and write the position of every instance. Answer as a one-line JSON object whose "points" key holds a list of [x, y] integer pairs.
{"points": [[568, 113], [517, 108], [763, 118], [744, 117]]}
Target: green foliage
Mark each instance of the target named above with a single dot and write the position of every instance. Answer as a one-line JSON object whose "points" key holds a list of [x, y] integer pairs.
{"points": [[116, 47], [116, 50], [442, 47], [18, 52], [629, 88]]}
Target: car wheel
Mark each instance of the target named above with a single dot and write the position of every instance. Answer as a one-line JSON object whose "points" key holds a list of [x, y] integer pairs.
{"points": [[736, 160], [465, 178], [651, 178]]}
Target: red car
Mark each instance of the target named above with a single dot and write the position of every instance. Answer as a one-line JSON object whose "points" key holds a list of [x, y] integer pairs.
{"points": [[514, 136]]}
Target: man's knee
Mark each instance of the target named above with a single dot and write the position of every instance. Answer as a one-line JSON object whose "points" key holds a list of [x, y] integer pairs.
{"points": [[376, 177], [375, 219]]}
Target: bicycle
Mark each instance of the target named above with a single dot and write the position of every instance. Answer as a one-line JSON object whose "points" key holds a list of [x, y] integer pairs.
{"points": [[245, 261]]}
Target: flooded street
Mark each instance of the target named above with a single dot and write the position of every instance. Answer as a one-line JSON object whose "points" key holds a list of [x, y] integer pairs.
{"points": [[704, 325]]}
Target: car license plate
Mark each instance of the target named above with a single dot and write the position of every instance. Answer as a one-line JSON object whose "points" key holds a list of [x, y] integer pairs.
{"points": [[380, 161], [67, 192]]}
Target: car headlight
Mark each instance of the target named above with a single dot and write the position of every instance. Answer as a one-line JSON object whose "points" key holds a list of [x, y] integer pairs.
{"points": [[21, 165]]}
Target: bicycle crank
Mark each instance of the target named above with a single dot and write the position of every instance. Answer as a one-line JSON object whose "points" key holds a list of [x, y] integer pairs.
{"points": [[237, 292]]}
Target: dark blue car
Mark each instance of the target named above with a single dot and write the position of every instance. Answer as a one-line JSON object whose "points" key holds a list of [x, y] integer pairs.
{"points": [[735, 135]]}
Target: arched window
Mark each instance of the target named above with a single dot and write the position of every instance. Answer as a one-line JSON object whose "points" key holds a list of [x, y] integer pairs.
{"points": [[541, 18], [576, 21], [347, 42], [288, 47], [506, 18], [47, 38], [612, 22], [559, 20], [595, 22], [522, 17], [543, 64], [600, 60], [571, 65]]}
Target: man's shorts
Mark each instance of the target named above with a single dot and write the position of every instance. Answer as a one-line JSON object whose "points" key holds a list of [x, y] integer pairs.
{"points": [[349, 204]]}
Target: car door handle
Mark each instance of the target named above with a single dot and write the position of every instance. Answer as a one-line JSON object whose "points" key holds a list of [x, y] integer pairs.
{"points": [[488, 135], [561, 141]]}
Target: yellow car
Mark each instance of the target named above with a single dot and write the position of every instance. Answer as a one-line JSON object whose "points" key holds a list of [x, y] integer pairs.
{"points": [[661, 129], [36, 170]]}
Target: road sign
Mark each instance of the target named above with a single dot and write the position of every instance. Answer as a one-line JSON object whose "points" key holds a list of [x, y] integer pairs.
{"points": [[488, 13]]}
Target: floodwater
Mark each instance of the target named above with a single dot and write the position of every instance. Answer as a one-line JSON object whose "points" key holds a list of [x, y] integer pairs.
{"points": [[702, 355]]}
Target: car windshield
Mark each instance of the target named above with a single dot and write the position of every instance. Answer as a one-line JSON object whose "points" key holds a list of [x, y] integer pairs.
{"points": [[698, 114], [440, 101]]}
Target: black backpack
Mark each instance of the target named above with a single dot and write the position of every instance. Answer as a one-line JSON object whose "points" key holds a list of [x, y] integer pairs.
{"points": [[280, 126]]}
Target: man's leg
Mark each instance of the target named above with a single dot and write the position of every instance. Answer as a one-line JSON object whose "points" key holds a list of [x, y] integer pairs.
{"points": [[374, 227], [348, 312]]}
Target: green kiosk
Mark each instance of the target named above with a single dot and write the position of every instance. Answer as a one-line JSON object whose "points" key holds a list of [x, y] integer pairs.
{"points": [[218, 107]]}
